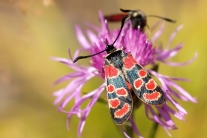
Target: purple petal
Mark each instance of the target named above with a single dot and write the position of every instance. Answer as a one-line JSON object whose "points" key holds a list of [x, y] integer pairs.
{"points": [[93, 38], [178, 95], [183, 92], [58, 93], [67, 77], [105, 32], [69, 54], [93, 27], [163, 55], [81, 38], [84, 98], [166, 130], [76, 92], [80, 101], [69, 88], [154, 26], [173, 35], [166, 117], [155, 117], [90, 105], [179, 107], [181, 64], [168, 83], [168, 109], [158, 33], [67, 62]]}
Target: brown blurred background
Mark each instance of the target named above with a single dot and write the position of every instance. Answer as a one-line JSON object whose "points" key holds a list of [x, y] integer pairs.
{"points": [[32, 31]]}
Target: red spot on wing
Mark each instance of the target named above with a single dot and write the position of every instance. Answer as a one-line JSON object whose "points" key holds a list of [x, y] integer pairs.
{"points": [[114, 103], [112, 71], [129, 62], [110, 88], [121, 92], [132, 59], [106, 70], [138, 83], [129, 86], [151, 85], [142, 73], [152, 96], [123, 111]]}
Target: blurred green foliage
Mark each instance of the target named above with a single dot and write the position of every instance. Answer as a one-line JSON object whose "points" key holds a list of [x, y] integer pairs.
{"points": [[32, 31]]}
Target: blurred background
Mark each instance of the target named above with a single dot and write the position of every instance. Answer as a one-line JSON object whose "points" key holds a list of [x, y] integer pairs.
{"points": [[32, 31]]}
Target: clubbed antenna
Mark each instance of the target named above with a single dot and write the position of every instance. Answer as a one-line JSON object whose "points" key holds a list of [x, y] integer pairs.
{"points": [[163, 18]]}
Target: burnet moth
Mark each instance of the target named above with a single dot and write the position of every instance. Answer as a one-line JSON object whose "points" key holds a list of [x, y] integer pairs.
{"points": [[124, 76], [137, 17]]}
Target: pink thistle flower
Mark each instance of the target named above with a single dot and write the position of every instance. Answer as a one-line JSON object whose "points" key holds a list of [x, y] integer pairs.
{"points": [[143, 51]]}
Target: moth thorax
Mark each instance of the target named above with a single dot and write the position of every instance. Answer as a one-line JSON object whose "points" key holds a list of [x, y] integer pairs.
{"points": [[138, 18], [116, 59]]}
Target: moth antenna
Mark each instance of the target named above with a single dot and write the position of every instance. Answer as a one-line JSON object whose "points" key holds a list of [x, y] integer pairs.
{"points": [[163, 18], [109, 47], [125, 10], [82, 57], [122, 25]]}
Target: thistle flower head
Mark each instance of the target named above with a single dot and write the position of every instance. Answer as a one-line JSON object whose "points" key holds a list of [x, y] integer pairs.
{"points": [[144, 53]]}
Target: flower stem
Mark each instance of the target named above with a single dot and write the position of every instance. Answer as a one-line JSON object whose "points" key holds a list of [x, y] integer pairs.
{"points": [[153, 130], [128, 127]]}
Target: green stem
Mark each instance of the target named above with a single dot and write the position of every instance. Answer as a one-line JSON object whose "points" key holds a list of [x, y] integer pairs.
{"points": [[153, 130], [128, 127]]}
